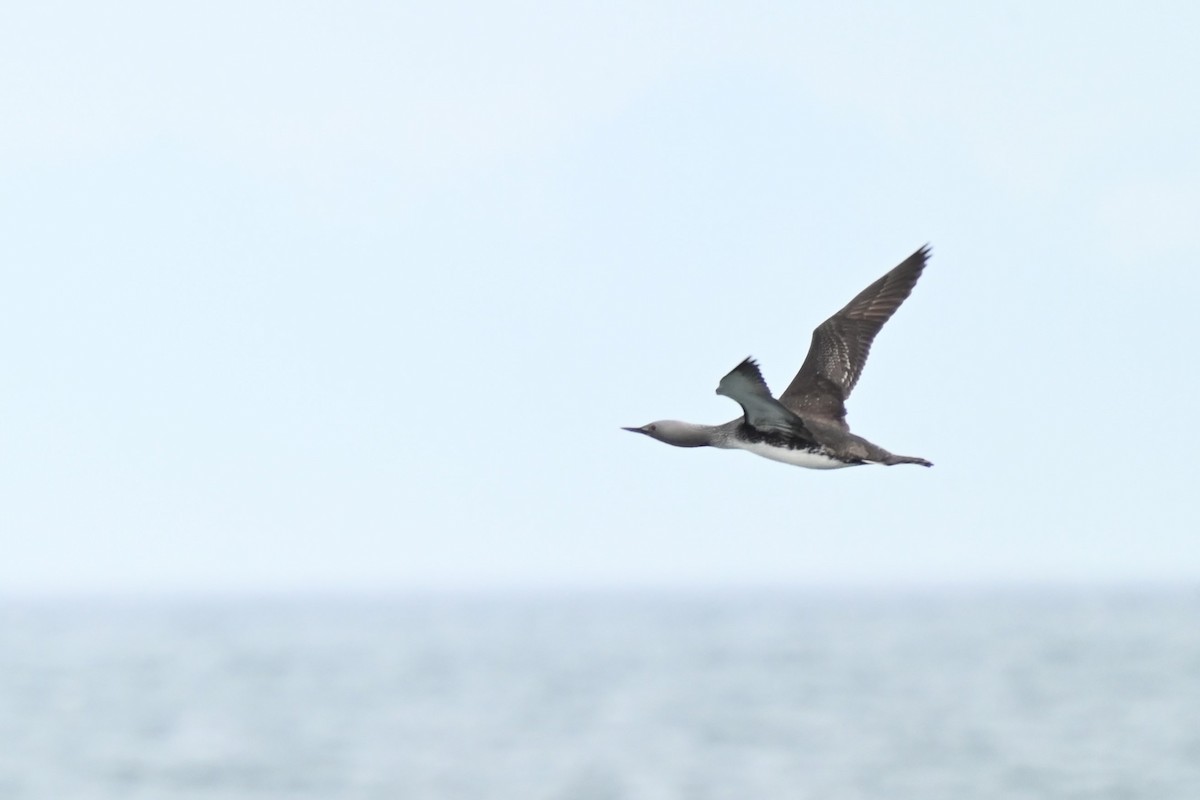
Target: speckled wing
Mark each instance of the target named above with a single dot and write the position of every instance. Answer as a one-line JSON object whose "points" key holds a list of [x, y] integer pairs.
{"points": [[841, 344], [746, 386]]}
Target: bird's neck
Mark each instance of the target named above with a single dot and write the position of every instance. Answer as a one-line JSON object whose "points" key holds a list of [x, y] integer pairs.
{"points": [[689, 434]]}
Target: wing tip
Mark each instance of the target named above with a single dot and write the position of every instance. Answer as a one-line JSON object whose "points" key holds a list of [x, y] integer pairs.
{"points": [[920, 257], [747, 369]]}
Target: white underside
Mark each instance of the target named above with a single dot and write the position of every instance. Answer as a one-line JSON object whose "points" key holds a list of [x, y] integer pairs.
{"points": [[798, 458]]}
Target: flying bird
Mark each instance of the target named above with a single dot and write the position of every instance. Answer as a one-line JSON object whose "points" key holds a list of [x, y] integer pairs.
{"points": [[807, 426]]}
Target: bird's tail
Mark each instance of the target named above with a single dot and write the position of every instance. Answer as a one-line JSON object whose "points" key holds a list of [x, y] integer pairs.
{"points": [[892, 460]]}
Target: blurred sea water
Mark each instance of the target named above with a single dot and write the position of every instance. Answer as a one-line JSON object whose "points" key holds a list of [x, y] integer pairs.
{"points": [[1070, 693]]}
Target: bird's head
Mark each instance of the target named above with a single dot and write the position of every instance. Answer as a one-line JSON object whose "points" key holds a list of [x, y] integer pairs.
{"points": [[679, 434]]}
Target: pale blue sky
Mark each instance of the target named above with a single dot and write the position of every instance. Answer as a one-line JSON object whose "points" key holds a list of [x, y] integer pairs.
{"points": [[356, 295]]}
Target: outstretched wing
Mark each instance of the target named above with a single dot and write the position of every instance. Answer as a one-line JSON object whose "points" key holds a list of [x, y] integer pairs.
{"points": [[745, 384], [840, 344]]}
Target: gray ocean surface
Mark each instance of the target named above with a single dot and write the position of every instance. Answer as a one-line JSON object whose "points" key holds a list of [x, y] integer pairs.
{"points": [[1080, 693]]}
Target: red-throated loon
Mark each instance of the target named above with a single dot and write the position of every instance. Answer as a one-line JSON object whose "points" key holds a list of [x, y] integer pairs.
{"points": [[807, 426]]}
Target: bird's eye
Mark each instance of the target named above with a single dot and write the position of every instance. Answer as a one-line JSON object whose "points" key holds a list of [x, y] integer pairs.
{"points": [[652, 427]]}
